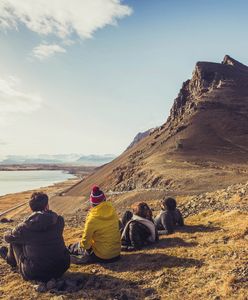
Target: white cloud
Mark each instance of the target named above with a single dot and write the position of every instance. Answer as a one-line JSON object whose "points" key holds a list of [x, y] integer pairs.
{"points": [[62, 18], [44, 51], [13, 100]]}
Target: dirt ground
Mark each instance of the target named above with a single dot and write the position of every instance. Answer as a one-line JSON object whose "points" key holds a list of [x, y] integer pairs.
{"points": [[207, 259]]}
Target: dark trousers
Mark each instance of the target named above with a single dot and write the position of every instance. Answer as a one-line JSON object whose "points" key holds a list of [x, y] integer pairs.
{"points": [[16, 258], [81, 256]]}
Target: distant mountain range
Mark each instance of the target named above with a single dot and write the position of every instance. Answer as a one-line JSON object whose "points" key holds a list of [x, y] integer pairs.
{"points": [[75, 159]]}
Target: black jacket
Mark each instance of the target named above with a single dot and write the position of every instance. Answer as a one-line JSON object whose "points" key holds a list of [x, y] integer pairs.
{"points": [[168, 220], [136, 235], [44, 253]]}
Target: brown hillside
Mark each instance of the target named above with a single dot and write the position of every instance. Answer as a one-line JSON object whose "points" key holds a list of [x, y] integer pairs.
{"points": [[202, 146]]}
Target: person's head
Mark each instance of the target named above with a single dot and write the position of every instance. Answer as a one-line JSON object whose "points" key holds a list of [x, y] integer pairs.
{"points": [[39, 202], [142, 210], [96, 196], [169, 204]]}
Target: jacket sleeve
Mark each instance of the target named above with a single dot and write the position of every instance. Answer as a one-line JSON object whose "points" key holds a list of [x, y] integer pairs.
{"points": [[135, 237], [16, 235], [180, 218], [167, 222], [88, 231]]}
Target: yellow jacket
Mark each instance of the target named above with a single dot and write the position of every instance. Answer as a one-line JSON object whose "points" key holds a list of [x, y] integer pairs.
{"points": [[101, 231]]}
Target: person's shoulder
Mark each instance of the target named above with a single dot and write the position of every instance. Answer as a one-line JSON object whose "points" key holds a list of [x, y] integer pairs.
{"points": [[178, 211], [61, 218], [137, 224], [58, 219]]}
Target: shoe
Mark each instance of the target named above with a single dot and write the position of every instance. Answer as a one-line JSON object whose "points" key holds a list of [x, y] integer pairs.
{"points": [[79, 259], [3, 252], [124, 248]]}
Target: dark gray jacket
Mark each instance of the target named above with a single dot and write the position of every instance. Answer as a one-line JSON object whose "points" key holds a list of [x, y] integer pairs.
{"points": [[44, 252], [168, 220]]}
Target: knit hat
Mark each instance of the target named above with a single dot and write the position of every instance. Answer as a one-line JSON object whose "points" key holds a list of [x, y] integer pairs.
{"points": [[96, 196]]}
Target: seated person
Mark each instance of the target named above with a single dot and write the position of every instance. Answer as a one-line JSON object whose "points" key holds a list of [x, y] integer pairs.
{"points": [[36, 246], [101, 235], [169, 217], [140, 230]]}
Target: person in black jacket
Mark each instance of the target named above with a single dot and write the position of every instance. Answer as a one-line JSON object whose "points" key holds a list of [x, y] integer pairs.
{"points": [[169, 217], [140, 229], [36, 246]]}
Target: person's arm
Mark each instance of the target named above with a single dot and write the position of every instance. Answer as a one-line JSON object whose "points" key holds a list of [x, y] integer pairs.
{"points": [[180, 218], [16, 235], [156, 235], [87, 235], [167, 222], [135, 237]]}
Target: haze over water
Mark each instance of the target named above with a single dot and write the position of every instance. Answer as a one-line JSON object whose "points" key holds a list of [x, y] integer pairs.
{"points": [[19, 181]]}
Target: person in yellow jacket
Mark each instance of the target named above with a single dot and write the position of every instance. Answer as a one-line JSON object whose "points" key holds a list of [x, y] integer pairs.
{"points": [[101, 240]]}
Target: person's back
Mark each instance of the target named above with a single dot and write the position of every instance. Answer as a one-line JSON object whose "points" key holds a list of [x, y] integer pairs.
{"points": [[37, 245], [169, 217], [101, 231], [140, 230], [101, 235]]}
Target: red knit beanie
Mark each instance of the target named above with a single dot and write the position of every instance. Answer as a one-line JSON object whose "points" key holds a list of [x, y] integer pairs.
{"points": [[96, 196]]}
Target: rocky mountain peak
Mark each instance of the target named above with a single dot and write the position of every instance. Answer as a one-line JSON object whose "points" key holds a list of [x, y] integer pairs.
{"points": [[228, 60], [206, 77]]}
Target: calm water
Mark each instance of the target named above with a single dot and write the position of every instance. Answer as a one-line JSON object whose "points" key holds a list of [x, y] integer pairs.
{"points": [[19, 181]]}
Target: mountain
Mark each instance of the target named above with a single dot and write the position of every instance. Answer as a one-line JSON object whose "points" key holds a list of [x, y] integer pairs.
{"points": [[203, 145], [95, 160], [75, 159], [139, 137]]}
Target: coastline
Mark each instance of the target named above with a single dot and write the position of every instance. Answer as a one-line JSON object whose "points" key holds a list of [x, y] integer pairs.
{"points": [[9, 201], [71, 169]]}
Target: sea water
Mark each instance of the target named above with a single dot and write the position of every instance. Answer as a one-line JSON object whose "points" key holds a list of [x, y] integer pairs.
{"points": [[20, 181]]}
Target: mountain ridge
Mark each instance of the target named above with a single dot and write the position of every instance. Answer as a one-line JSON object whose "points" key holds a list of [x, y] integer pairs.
{"points": [[207, 127]]}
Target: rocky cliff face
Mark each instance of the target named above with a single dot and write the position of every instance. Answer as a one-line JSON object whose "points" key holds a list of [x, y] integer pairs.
{"points": [[206, 77], [207, 126]]}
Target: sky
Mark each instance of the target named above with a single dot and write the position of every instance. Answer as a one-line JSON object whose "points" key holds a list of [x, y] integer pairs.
{"points": [[85, 76]]}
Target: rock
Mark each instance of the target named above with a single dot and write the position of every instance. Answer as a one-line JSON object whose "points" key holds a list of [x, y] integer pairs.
{"points": [[97, 284], [94, 271], [41, 288], [149, 292], [51, 284], [61, 297], [123, 297], [71, 283], [60, 285], [6, 220]]}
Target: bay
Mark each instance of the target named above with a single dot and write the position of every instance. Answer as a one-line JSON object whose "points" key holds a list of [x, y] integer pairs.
{"points": [[20, 181]]}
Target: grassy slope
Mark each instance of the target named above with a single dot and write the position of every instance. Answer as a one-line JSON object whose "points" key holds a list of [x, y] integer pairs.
{"points": [[198, 262]]}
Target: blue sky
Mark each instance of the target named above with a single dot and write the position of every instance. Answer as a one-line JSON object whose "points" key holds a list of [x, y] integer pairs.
{"points": [[90, 86]]}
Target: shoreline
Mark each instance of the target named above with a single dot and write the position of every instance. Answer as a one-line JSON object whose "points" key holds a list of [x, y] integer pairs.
{"points": [[19, 181], [9, 201], [76, 170]]}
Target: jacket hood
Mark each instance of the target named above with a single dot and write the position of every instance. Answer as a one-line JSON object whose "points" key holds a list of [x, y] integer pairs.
{"points": [[41, 220], [103, 211]]}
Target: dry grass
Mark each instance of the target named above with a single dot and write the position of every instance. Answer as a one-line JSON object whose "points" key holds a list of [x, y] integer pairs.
{"points": [[195, 263]]}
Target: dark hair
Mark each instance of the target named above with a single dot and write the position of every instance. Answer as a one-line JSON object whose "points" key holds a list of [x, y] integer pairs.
{"points": [[169, 203], [38, 201], [142, 210]]}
